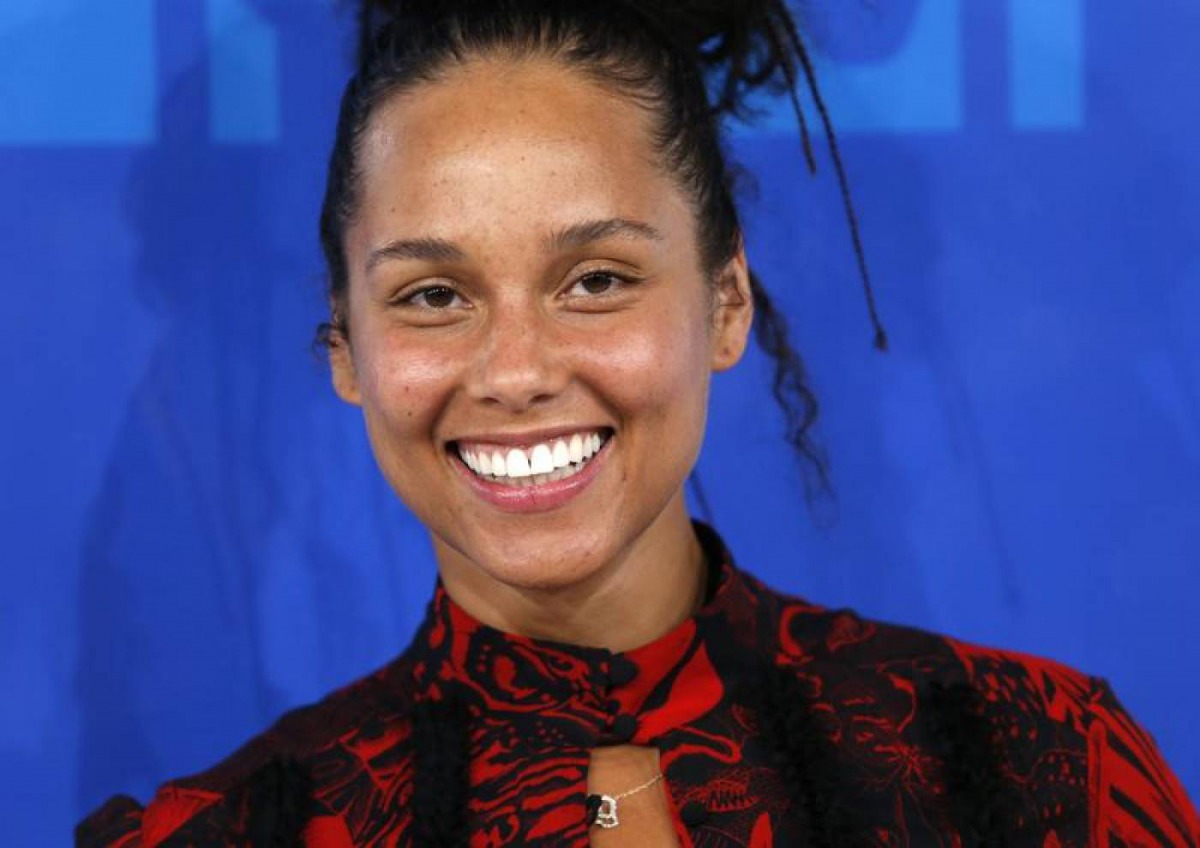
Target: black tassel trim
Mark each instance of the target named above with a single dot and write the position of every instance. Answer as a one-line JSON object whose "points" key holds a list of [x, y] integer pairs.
{"points": [[441, 749], [278, 803], [984, 806], [806, 757]]}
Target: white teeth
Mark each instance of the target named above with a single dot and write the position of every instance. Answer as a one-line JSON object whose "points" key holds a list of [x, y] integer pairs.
{"points": [[516, 463], [542, 463], [541, 460]]}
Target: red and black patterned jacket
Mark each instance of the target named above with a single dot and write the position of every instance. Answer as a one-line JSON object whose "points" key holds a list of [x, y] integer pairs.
{"points": [[778, 722]]}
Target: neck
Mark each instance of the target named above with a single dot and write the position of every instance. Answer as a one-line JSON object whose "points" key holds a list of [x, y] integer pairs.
{"points": [[650, 587]]}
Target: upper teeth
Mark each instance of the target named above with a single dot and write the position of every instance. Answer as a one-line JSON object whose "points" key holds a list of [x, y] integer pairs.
{"points": [[542, 458]]}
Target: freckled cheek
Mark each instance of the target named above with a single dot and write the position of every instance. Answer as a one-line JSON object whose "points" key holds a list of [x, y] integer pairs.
{"points": [[406, 386], [658, 370]]}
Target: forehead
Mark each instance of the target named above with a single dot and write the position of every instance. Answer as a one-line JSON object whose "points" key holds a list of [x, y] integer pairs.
{"points": [[507, 141]]}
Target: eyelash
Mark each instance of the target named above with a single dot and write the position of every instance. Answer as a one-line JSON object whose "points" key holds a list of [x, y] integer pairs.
{"points": [[616, 282], [410, 299]]}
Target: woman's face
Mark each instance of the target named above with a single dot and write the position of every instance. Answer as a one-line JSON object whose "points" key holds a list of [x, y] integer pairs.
{"points": [[526, 292]]}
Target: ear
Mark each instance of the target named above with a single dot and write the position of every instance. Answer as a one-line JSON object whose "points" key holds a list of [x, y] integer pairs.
{"points": [[733, 313], [341, 367]]}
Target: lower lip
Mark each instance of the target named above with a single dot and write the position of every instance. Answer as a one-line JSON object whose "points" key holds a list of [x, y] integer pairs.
{"points": [[535, 498]]}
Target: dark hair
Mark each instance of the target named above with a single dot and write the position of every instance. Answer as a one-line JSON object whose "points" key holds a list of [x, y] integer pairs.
{"points": [[688, 62]]}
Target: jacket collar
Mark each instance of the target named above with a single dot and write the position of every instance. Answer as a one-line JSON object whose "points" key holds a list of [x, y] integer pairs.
{"points": [[497, 672]]}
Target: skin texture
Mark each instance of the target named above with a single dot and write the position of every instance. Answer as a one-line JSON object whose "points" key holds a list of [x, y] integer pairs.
{"points": [[513, 335], [645, 816]]}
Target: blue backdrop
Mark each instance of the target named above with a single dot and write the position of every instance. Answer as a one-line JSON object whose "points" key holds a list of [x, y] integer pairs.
{"points": [[195, 534]]}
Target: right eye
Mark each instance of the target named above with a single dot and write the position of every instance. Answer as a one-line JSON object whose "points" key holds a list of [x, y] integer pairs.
{"points": [[435, 298]]}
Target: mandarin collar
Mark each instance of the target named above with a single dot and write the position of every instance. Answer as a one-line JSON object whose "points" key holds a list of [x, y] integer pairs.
{"points": [[605, 692]]}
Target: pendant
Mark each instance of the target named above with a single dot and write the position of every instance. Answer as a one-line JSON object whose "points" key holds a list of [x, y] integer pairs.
{"points": [[606, 814]]}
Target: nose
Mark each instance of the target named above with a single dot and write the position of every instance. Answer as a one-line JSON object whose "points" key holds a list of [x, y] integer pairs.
{"points": [[518, 365]]}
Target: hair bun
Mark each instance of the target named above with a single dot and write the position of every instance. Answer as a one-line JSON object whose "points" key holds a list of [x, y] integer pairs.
{"points": [[745, 46], [701, 21]]}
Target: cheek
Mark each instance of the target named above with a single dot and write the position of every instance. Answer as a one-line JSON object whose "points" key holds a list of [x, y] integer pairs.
{"points": [[657, 366], [404, 386]]}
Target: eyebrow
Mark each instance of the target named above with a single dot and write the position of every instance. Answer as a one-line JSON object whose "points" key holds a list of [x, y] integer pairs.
{"points": [[574, 236], [427, 249], [579, 235]]}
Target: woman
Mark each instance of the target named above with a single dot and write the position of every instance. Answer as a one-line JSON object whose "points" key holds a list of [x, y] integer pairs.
{"points": [[535, 267]]}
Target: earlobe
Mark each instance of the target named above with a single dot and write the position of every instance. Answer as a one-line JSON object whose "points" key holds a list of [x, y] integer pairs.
{"points": [[734, 313], [343, 372]]}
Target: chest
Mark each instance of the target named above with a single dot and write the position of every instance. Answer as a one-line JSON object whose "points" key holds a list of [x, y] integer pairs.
{"points": [[862, 775]]}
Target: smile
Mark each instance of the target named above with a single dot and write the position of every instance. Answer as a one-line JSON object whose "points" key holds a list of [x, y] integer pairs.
{"points": [[544, 462]]}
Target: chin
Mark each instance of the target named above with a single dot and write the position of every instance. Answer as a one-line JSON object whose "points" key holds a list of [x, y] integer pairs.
{"points": [[546, 564]]}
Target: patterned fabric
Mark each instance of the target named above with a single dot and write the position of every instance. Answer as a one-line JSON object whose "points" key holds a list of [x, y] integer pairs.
{"points": [[881, 761]]}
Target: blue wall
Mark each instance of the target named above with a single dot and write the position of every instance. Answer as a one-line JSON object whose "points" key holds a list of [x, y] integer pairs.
{"points": [[197, 538]]}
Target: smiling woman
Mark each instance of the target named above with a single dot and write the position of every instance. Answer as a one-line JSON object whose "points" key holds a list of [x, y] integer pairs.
{"points": [[516, 283], [535, 268]]}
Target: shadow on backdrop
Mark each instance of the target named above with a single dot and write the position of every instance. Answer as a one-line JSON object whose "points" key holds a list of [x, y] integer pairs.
{"points": [[207, 544]]}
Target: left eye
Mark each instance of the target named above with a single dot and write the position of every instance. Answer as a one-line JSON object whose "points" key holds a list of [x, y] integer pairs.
{"points": [[434, 297], [597, 282]]}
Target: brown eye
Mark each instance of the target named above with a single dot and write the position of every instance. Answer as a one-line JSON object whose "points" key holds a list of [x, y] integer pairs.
{"points": [[597, 283], [434, 297]]}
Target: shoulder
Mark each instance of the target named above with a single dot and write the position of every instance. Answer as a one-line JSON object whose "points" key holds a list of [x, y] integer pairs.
{"points": [[804, 634], [1133, 797], [376, 705], [1047, 729], [275, 765]]}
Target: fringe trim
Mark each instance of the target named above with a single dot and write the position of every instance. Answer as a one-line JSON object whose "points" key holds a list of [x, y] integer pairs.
{"points": [[441, 749], [807, 759], [279, 804], [983, 805]]}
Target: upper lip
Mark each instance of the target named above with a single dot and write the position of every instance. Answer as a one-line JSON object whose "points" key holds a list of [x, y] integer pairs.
{"points": [[528, 437]]}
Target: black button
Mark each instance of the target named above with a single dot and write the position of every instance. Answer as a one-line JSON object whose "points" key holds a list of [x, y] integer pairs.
{"points": [[624, 727], [694, 814], [621, 670]]}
